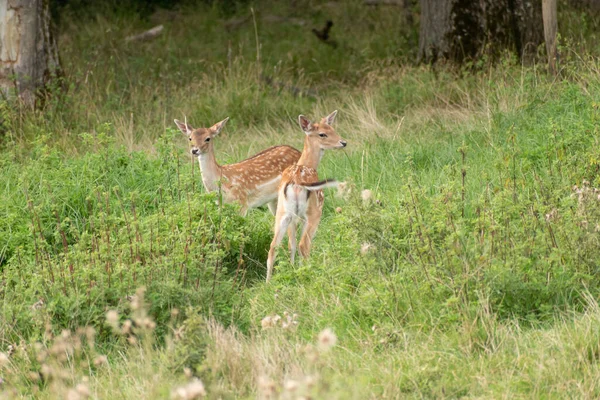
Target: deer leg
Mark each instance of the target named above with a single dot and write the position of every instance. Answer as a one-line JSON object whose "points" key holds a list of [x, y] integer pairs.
{"points": [[243, 200], [281, 223], [292, 240], [308, 232]]}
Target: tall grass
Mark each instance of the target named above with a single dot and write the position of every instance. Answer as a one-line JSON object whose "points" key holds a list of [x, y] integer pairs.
{"points": [[459, 260]]}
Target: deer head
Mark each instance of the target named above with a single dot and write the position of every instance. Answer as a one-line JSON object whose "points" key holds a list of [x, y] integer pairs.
{"points": [[321, 134], [201, 138]]}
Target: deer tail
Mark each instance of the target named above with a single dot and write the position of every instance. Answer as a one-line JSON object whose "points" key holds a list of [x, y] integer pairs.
{"points": [[327, 183]]}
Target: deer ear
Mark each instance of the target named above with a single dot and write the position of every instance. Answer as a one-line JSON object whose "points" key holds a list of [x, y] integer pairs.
{"points": [[216, 128], [184, 127], [330, 118], [305, 123]]}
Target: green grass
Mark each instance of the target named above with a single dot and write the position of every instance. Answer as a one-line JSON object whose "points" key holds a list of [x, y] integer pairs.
{"points": [[469, 272]]}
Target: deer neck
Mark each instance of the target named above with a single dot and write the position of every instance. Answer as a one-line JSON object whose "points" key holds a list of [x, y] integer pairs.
{"points": [[311, 154], [211, 171]]}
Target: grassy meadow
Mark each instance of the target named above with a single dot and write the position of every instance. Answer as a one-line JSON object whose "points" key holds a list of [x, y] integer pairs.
{"points": [[460, 260]]}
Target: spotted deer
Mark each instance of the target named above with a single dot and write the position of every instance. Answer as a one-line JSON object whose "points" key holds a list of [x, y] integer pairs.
{"points": [[251, 182], [300, 195]]}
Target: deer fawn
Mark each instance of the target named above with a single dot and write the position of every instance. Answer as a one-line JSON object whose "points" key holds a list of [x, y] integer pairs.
{"points": [[300, 195], [252, 182]]}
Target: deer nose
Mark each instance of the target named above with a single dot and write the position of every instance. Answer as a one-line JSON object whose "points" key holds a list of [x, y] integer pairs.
{"points": [[343, 143], [195, 152]]}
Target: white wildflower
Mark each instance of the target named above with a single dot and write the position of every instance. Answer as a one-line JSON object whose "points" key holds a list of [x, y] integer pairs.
{"points": [[552, 215], [112, 319], [193, 390], [46, 371], [327, 339], [100, 360], [3, 359], [83, 390], [267, 322], [310, 380], [37, 305], [290, 385], [266, 386], [127, 326], [365, 248], [343, 189], [179, 393], [73, 395]]}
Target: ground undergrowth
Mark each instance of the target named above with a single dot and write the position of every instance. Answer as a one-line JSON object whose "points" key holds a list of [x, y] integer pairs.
{"points": [[459, 260]]}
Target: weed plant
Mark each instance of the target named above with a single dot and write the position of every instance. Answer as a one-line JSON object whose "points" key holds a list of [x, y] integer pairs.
{"points": [[460, 259]]}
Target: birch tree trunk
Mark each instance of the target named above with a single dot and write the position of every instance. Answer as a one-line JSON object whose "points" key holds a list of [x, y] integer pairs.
{"points": [[550, 31], [28, 52]]}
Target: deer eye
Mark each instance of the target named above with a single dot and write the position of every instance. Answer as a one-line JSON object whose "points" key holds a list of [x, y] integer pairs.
{"points": [[322, 135], [190, 139], [207, 140]]}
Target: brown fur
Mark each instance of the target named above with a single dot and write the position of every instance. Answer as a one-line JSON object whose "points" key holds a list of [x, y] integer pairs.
{"points": [[319, 137], [251, 182]]}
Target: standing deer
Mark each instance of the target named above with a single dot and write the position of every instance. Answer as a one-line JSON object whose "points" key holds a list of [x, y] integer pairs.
{"points": [[252, 182], [300, 196]]}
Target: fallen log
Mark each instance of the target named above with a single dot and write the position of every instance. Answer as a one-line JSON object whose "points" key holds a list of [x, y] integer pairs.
{"points": [[149, 34]]}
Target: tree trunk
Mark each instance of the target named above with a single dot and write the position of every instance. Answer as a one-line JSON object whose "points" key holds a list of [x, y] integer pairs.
{"points": [[435, 30], [28, 53], [550, 30], [459, 30]]}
